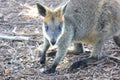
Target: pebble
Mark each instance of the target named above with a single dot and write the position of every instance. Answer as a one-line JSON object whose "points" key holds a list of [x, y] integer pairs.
{"points": [[1, 16]]}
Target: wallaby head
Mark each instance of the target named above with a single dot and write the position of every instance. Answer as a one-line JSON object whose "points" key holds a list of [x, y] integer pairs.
{"points": [[52, 22]]}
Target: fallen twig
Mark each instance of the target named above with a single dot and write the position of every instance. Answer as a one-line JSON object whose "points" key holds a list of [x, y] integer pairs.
{"points": [[24, 38], [116, 50], [26, 32], [3, 36], [112, 56]]}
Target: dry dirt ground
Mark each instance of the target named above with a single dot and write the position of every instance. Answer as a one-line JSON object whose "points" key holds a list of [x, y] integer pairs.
{"points": [[19, 59]]}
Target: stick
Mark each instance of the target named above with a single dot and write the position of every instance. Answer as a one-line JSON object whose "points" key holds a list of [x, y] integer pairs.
{"points": [[26, 32], [112, 56], [3, 36]]}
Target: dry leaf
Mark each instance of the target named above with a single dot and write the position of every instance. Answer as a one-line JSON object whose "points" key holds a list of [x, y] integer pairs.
{"points": [[7, 71]]}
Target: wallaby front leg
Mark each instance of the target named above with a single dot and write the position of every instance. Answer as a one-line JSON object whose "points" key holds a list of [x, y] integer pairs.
{"points": [[61, 52], [46, 45], [59, 56]]}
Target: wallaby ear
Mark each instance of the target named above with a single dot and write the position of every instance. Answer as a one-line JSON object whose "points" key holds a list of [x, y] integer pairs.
{"points": [[41, 9], [63, 9], [60, 10]]}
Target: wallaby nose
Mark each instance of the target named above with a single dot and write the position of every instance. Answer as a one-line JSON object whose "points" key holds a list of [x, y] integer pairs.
{"points": [[53, 42]]}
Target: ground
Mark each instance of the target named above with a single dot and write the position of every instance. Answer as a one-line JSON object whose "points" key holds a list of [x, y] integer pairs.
{"points": [[19, 59]]}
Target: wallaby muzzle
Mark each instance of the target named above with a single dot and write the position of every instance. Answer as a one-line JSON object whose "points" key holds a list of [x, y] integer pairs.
{"points": [[53, 41]]}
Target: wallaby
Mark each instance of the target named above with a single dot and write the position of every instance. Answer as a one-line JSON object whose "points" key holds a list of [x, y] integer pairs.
{"points": [[79, 21]]}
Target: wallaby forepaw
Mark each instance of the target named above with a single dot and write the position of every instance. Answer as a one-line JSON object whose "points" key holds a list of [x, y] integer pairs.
{"points": [[49, 71], [42, 61]]}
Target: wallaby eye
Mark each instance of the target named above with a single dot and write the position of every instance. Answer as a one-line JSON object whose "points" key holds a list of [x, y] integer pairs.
{"points": [[46, 26], [60, 26]]}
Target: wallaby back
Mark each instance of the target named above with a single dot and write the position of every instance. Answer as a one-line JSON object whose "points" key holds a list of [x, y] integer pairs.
{"points": [[88, 16]]}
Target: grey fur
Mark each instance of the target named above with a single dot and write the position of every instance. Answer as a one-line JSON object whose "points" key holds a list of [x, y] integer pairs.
{"points": [[91, 22]]}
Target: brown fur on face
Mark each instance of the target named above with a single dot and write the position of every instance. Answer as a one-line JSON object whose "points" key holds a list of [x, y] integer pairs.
{"points": [[51, 15], [59, 15], [47, 16]]}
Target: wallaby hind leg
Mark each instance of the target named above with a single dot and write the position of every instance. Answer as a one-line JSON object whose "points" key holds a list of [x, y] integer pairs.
{"points": [[98, 48], [78, 48], [95, 55], [116, 39], [46, 45]]}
